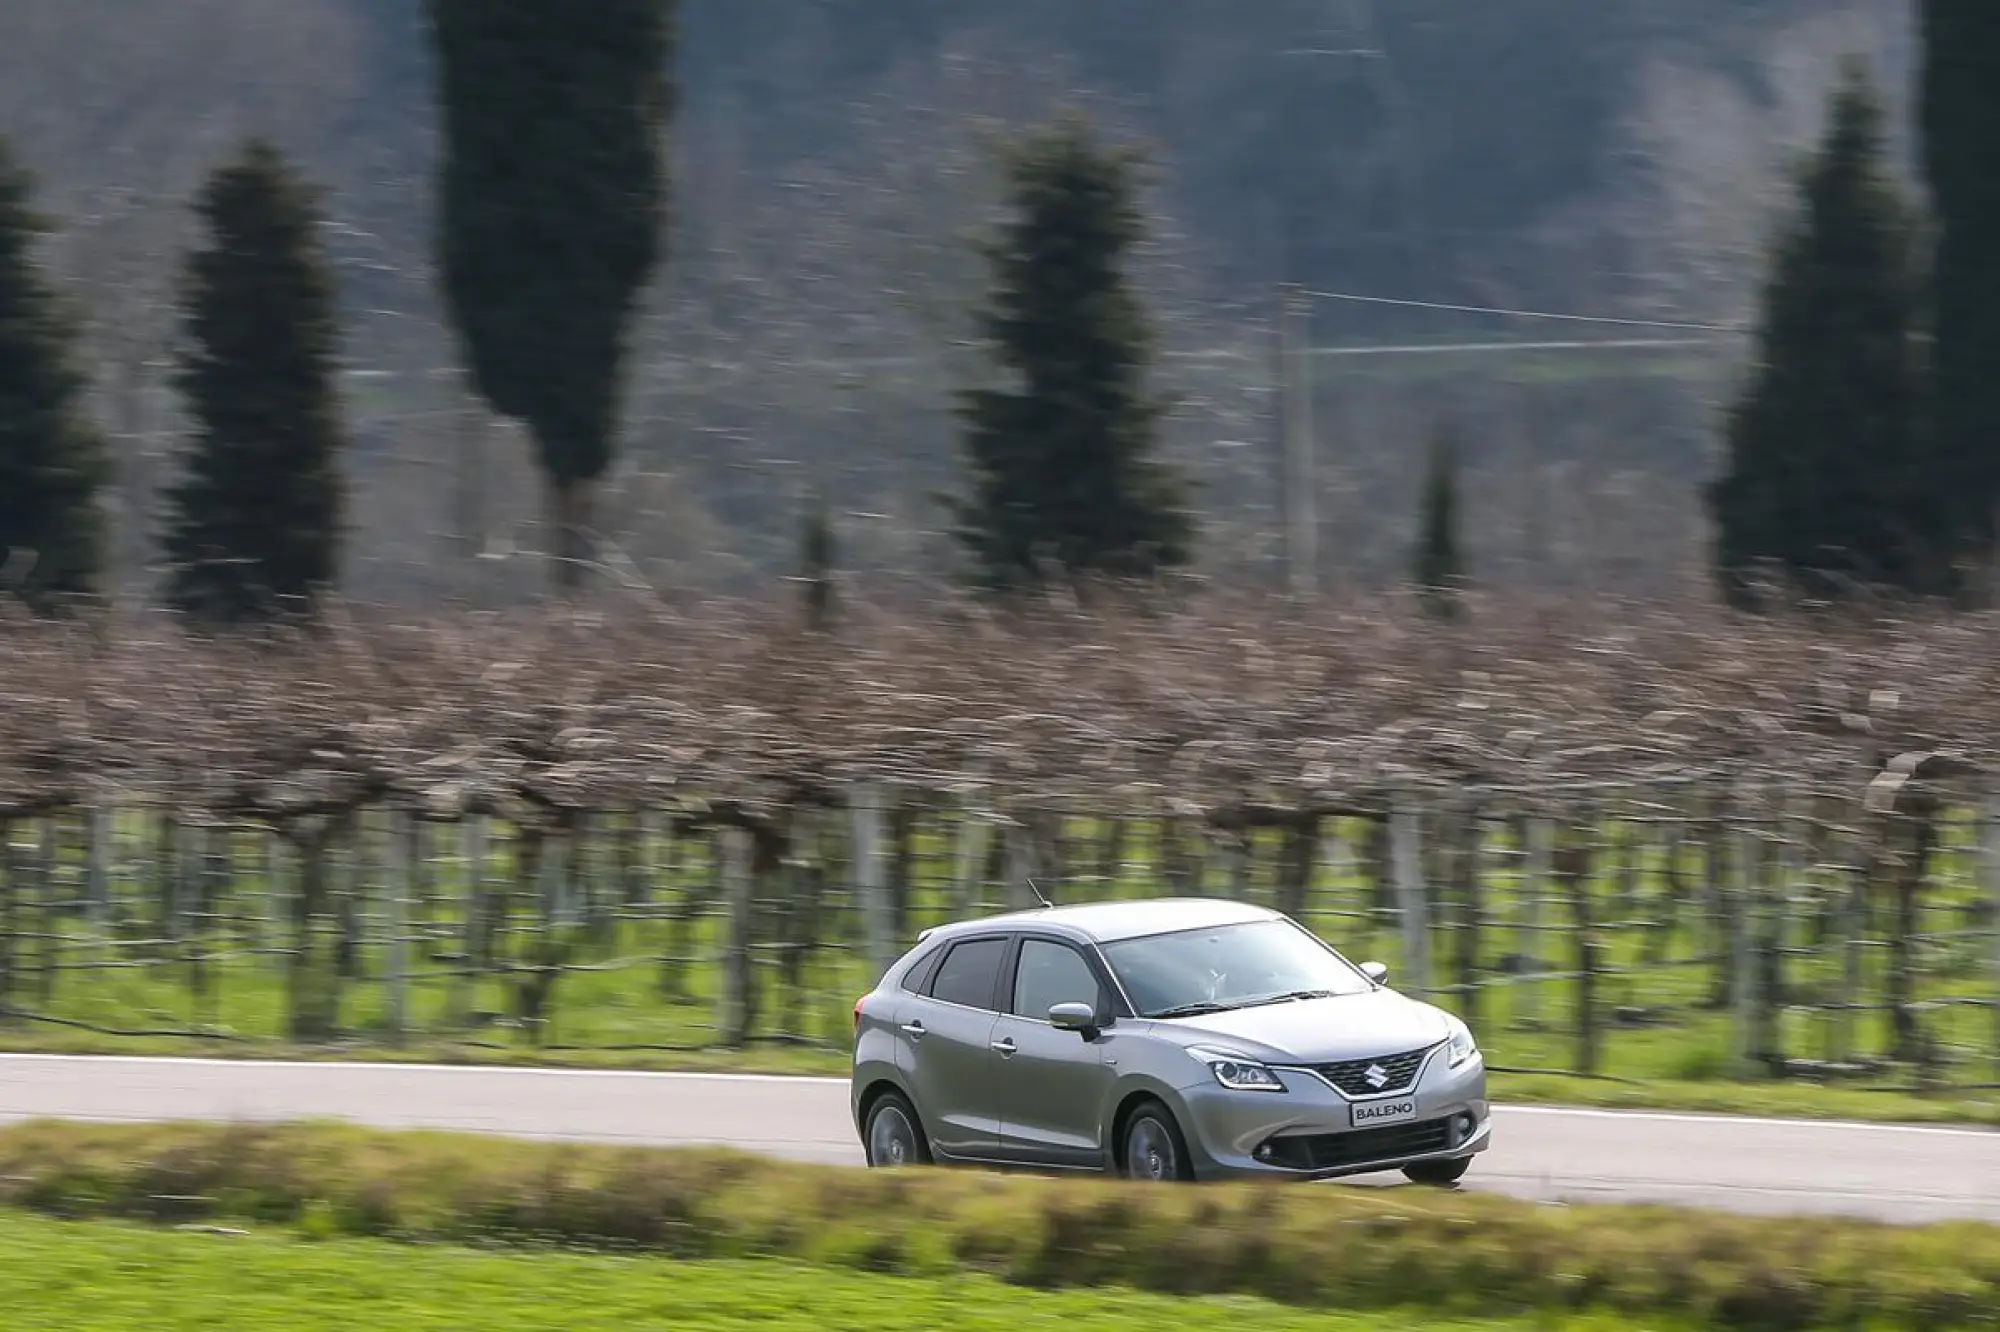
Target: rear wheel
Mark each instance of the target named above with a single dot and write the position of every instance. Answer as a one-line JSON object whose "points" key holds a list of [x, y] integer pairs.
{"points": [[1439, 1173], [1153, 1148], [895, 1137]]}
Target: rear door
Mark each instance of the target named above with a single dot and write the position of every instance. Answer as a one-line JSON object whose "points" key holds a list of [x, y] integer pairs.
{"points": [[947, 1032], [1054, 1085]]}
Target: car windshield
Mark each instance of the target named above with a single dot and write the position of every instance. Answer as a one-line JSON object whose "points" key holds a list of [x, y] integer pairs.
{"points": [[1229, 966]]}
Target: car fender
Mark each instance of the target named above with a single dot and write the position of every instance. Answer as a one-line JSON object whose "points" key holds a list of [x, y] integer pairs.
{"points": [[865, 1086], [1167, 1063], [1127, 1087], [879, 1057]]}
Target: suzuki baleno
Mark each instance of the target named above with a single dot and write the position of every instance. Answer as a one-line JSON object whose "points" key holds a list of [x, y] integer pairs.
{"points": [[1174, 1039]]}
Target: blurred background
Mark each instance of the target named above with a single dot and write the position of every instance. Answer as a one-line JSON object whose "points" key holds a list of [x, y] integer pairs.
{"points": [[1622, 159]]}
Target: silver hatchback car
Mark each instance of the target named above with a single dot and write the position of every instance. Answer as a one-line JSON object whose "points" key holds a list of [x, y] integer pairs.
{"points": [[1170, 1039]]}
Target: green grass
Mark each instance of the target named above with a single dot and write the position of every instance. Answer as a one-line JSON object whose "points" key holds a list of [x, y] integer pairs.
{"points": [[733, 1235], [110, 1277], [646, 992]]}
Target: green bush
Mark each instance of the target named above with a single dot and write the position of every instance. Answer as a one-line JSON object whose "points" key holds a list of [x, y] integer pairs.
{"points": [[1306, 1246]]}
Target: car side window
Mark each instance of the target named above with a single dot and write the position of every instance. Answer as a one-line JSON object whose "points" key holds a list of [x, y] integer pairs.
{"points": [[1052, 973], [917, 979], [970, 973]]}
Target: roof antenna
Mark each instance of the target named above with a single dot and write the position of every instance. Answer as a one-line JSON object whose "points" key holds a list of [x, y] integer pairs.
{"points": [[1033, 888]]}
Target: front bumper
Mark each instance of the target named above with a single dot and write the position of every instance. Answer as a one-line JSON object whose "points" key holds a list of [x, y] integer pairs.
{"points": [[1309, 1130]]}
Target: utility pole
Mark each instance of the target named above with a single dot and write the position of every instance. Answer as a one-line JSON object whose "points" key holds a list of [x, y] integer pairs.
{"points": [[1350, 35], [1300, 449], [471, 458]]}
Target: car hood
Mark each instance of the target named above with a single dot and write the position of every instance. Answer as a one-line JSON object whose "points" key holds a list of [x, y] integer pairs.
{"points": [[1318, 1031]]}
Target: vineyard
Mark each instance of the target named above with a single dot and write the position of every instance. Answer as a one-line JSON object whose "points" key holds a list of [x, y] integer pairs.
{"points": [[1667, 844]]}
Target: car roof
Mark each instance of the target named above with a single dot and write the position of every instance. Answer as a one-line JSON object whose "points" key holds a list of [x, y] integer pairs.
{"points": [[1106, 922]]}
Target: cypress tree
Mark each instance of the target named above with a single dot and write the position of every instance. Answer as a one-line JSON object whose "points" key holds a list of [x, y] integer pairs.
{"points": [[1440, 569], [1959, 115], [254, 526], [553, 203], [1829, 482], [1063, 473], [53, 459]]}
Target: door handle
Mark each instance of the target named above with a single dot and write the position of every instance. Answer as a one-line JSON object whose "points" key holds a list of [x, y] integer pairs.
{"points": [[1005, 1045], [914, 1030]]}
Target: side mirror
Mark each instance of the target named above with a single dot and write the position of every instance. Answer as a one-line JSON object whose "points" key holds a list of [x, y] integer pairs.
{"points": [[1079, 1018], [1376, 971]]}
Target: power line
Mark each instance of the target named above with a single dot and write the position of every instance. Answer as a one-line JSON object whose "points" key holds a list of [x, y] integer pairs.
{"points": [[1446, 348], [1357, 299], [1428, 348]]}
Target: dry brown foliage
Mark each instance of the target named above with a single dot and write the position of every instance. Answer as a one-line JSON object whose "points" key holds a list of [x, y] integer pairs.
{"points": [[1220, 705]]}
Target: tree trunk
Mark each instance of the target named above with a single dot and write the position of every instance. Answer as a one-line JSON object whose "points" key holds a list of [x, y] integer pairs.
{"points": [[693, 900], [309, 1019], [570, 543], [1913, 840], [1672, 901], [800, 924], [539, 873], [1721, 907], [902, 864], [1295, 867], [10, 888], [469, 498], [1471, 913], [1572, 865], [1375, 857]]}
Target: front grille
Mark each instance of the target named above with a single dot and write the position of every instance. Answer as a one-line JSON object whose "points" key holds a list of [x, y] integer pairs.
{"points": [[1399, 1071], [1332, 1151]]}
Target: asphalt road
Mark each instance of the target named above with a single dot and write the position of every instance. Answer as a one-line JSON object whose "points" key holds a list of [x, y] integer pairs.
{"points": [[1889, 1172]]}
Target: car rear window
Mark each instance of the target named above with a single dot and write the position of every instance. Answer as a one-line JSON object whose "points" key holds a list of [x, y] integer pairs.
{"points": [[970, 973]]}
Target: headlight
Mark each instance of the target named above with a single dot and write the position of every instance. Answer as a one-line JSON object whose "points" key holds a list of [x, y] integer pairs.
{"points": [[1237, 1073], [1463, 1047]]}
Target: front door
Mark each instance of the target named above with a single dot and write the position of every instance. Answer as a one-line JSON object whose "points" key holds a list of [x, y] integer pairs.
{"points": [[946, 1045], [1054, 1085]]}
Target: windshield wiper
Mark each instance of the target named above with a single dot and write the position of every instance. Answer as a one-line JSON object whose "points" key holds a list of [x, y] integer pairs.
{"points": [[1290, 995], [1194, 1009]]}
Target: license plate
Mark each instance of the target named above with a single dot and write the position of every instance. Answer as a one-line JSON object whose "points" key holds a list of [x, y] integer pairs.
{"points": [[1368, 1114]]}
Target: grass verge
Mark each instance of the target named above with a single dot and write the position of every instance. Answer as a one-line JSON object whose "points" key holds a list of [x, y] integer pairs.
{"points": [[1439, 1254], [113, 1277]]}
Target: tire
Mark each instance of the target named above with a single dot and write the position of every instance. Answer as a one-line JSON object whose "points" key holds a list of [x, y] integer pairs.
{"points": [[894, 1135], [1440, 1174], [1152, 1147]]}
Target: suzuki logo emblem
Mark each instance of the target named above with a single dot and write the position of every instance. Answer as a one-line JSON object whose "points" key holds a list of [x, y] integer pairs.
{"points": [[1378, 1076]]}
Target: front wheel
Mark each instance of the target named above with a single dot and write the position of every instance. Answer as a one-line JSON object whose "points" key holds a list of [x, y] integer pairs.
{"points": [[1154, 1148], [895, 1137], [1439, 1173]]}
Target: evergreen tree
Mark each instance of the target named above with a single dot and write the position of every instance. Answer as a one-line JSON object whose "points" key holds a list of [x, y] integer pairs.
{"points": [[553, 203], [1960, 119], [1440, 570], [254, 524], [1063, 472], [1829, 483], [816, 556], [52, 458]]}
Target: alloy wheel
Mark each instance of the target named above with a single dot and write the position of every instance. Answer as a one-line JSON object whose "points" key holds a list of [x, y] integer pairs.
{"points": [[892, 1141], [1149, 1151]]}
